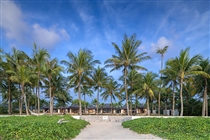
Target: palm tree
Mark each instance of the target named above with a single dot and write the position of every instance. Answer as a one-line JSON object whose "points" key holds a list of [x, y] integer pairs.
{"points": [[80, 66], [86, 90], [111, 90], [202, 81], [23, 75], [99, 78], [17, 59], [185, 67], [161, 51], [60, 91], [50, 70], [39, 58], [6, 78], [148, 87], [127, 58], [134, 79], [170, 79]]}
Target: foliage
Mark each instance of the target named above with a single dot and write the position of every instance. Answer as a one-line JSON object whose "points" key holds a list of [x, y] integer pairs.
{"points": [[172, 128], [3, 109], [83, 103], [127, 57], [39, 127], [80, 66]]}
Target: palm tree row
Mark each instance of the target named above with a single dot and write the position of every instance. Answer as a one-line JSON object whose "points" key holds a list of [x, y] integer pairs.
{"points": [[20, 72], [181, 69]]}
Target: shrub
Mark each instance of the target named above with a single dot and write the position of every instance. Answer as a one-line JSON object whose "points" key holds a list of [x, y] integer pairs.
{"points": [[40, 127], [172, 128]]}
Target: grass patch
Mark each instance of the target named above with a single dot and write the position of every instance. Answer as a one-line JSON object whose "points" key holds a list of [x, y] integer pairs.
{"points": [[172, 128], [39, 127]]}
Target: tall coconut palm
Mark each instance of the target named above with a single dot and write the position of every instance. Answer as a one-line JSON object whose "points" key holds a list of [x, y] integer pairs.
{"points": [[99, 78], [161, 51], [111, 90], [85, 90], [39, 58], [80, 66], [185, 67], [17, 58], [127, 58], [134, 79], [170, 79], [50, 70], [202, 81], [4, 66], [148, 87], [23, 75]]}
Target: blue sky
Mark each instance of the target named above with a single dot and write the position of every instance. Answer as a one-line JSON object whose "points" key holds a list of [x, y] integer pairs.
{"points": [[68, 25]]}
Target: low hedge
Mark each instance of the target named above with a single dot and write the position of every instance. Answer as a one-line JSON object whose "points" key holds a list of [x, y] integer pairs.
{"points": [[39, 127], [172, 128]]}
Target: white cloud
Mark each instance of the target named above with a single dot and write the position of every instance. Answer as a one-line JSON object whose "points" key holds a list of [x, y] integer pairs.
{"points": [[13, 21], [162, 42], [18, 30], [44, 37]]}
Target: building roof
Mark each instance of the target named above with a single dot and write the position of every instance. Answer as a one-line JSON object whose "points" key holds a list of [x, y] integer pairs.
{"points": [[74, 106], [91, 107], [107, 106]]}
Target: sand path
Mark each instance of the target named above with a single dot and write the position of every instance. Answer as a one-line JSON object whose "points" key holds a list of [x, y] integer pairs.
{"points": [[111, 130]]}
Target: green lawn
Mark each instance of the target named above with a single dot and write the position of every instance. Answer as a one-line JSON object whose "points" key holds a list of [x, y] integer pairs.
{"points": [[39, 127], [172, 128]]}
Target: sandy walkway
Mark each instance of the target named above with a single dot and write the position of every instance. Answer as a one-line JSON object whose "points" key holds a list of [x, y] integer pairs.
{"points": [[111, 130]]}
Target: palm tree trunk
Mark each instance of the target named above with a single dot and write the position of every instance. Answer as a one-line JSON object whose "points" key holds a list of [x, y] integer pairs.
{"points": [[205, 102], [85, 103], [148, 113], [131, 105], [20, 101], [38, 90], [159, 103], [24, 98], [207, 113], [173, 104], [97, 100], [20, 105], [80, 104], [51, 102], [35, 99], [9, 98], [126, 92], [111, 105], [160, 85], [181, 100]]}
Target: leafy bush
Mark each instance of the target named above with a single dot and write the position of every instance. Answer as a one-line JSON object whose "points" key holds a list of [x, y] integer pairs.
{"points": [[39, 127], [172, 128], [3, 109]]}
